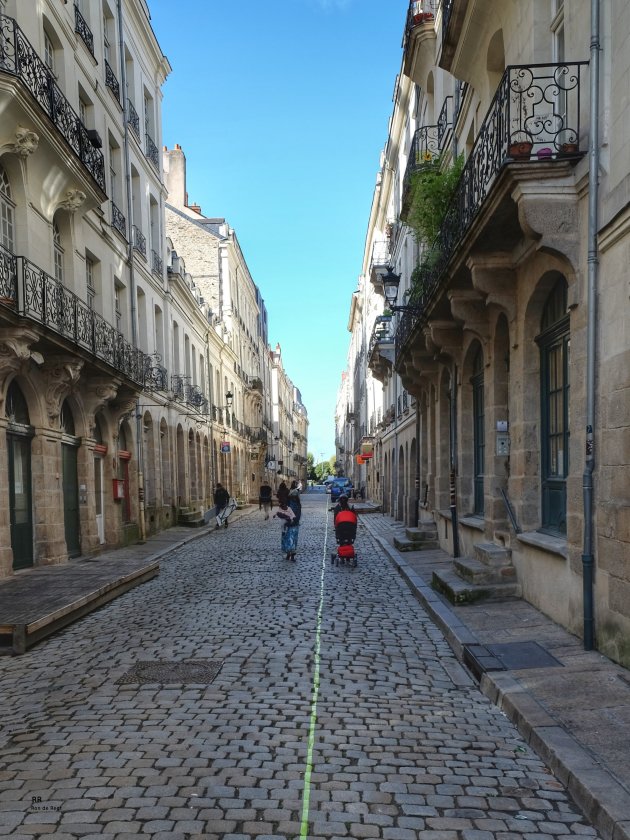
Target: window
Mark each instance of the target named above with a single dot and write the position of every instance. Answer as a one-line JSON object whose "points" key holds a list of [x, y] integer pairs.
{"points": [[6, 212], [49, 53], [89, 280], [479, 437], [117, 305], [58, 253], [554, 341]]}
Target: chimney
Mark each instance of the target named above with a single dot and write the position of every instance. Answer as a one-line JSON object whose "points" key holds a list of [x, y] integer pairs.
{"points": [[195, 207], [174, 163]]}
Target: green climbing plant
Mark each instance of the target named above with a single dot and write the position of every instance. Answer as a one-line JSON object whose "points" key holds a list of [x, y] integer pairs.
{"points": [[432, 189]]}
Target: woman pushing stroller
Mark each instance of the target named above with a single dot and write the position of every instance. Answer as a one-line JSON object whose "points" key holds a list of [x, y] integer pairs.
{"points": [[345, 521]]}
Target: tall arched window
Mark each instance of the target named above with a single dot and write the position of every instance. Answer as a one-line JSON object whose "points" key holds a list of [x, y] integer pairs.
{"points": [[479, 435], [58, 252], [6, 212], [554, 341]]}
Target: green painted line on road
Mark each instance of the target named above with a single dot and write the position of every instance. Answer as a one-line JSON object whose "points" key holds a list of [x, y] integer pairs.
{"points": [[306, 796]]}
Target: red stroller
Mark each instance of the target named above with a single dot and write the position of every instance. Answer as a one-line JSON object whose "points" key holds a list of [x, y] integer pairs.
{"points": [[345, 534]]}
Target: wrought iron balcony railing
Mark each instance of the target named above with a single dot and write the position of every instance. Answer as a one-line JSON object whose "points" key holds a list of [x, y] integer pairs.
{"points": [[133, 119], [83, 30], [18, 58], [152, 153], [139, 241], [425, 148], [534, 116], [111, 81], [32, 293], [445, 120], [119, 222], [156, 263]]}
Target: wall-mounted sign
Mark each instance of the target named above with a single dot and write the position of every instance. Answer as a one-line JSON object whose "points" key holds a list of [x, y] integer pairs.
{"points": [[367, 450], [225, 446]]}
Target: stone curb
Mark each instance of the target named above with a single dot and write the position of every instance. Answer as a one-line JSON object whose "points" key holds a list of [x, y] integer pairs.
{"points": [[600, 797]]}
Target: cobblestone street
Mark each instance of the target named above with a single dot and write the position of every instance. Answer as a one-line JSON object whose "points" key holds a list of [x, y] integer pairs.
{"points": [[318, 702]]}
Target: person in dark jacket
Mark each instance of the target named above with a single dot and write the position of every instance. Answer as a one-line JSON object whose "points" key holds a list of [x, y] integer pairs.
{"points": [[221, 498], [265, 498], [282, 494]]}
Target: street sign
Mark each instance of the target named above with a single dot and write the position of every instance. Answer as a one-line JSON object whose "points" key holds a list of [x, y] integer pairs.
{"points": [[225, 446]]}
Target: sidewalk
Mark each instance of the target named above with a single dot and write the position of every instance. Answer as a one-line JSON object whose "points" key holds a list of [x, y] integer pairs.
{"points": [[38, 602], [570, 705]]}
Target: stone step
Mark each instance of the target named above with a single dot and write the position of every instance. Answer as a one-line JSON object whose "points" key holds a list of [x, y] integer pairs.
{"points": [[474, 571], [459, 591], [423, 533], [190, 518], [404, 544], [494, 555]]}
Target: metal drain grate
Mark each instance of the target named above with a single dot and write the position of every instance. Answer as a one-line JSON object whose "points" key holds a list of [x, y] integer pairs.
{"points": [[163, 672]]}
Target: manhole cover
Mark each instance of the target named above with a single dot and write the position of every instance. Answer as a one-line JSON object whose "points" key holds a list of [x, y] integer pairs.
{"points": [[518, 655], [162, 672]]}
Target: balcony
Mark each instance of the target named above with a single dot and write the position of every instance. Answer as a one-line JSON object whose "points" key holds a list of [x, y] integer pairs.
{"points": [[19, 59], [119, 222], [152, 153], [379, 263], [419, 39], [83, 30], [380, 356], [532, 127], [139, 241], [157, 265], [31, 293], [133, 119], [453, 13], [112, 82], [424, 150], [445, 122]]}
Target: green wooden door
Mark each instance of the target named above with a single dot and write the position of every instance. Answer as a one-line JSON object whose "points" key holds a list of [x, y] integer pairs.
{"points": [[20, 502], [71, 499]]}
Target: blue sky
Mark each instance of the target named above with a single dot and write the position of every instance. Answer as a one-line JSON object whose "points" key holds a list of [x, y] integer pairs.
{"points": [[281, 109]]}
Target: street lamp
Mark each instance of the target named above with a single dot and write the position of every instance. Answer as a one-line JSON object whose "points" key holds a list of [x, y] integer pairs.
{"points": [[229, 399], [391, 282]]}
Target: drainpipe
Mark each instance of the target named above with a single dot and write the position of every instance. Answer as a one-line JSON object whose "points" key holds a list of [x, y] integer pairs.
{"points": [[132, 278], [593, 270], [416, 517]]}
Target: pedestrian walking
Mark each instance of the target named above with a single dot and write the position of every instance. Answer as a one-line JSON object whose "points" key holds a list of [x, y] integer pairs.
{"points": [[265, 499], [282, 493], [221, 502], [288, 538], [342, 504]]}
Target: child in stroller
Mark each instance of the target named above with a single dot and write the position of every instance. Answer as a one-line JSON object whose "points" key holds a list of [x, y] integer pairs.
{"points": [[345, 520]]}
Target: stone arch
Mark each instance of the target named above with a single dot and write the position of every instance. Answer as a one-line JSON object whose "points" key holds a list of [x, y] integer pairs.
{"points": [[495, 62], [150, 472]]}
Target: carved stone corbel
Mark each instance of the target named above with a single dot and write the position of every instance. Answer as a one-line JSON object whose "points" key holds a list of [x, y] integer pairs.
{"points": [[98, 393], [444, 339], [15, 354], [493, 275], [469, 307], [62, 374], [548, 214], [72, 200], [26, 142]]}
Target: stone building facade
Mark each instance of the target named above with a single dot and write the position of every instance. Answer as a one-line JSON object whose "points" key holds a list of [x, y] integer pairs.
{"points": [[121, 375], [516, 346]]}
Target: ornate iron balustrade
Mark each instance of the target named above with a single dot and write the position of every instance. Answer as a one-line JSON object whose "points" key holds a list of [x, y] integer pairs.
{"points": [[152, 152], [18, 58], [119, 222], [83, 30], [534, 115], [133, 119], [405, 400], [111, 81], [445, 120], [43, 299], [424, 149], [139, 241], [155, 374], [156, 262], [8, 278]]}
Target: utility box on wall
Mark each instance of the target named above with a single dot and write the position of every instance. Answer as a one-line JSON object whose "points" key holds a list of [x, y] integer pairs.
{"points": [[118, 487]]}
